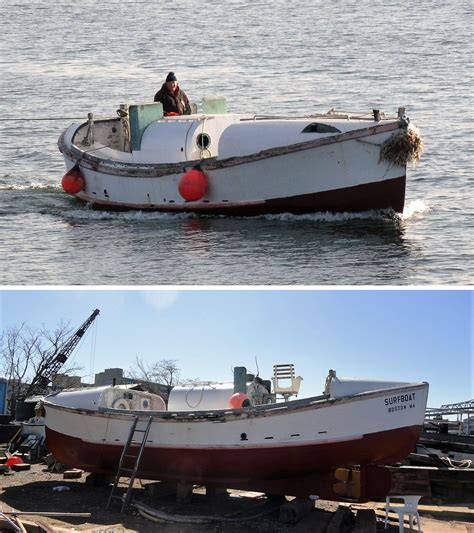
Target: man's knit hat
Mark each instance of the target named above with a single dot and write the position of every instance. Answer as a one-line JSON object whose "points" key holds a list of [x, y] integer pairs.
{"points": [[171, 77]]}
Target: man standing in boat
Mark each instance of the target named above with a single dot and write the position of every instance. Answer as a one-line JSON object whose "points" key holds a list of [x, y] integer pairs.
{"points": [[174, 100]]}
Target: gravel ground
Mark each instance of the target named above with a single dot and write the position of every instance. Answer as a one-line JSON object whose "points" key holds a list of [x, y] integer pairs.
{"points": [[34, 491]]}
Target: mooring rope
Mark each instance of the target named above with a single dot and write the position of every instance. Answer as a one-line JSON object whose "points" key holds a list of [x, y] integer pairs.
{"points": [[461, 463], [16, 119], [202, 138]]}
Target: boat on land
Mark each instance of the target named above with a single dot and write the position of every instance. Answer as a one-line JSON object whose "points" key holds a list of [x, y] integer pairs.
{"points": [[216, 162], [334, 445]]}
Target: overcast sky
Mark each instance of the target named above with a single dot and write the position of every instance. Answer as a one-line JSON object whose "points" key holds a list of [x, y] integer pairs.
{"points": [[413, 335]]}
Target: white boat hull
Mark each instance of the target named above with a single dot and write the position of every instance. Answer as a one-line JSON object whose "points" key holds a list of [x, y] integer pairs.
{"points": [[337, 172], [292, 448]]}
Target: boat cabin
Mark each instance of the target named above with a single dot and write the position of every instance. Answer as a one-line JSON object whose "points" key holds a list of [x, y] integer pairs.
{"points": [[142, 134]]}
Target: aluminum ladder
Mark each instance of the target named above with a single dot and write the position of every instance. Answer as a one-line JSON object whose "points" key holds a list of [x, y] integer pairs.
{"points": [[127, 455]]}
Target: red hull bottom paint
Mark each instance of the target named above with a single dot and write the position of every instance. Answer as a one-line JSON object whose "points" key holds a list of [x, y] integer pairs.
{"points": [[290, 470], [387, 194]]}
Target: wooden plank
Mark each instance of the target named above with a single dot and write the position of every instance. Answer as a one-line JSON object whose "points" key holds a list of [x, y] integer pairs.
{"points": [[315, 522], [339, 519], [365, 522], [74, 473], [184, 492], [19, 523], [21, 467], [293, 511], [405, 481], [447, 484], [48, 513]]}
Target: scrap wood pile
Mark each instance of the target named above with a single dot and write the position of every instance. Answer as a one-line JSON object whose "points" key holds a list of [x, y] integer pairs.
{"points": [[405, 146], [13, 462], [13, 523]]}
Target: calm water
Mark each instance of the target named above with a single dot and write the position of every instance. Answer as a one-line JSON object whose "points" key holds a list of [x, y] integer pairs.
{"points": [[62, 59]]}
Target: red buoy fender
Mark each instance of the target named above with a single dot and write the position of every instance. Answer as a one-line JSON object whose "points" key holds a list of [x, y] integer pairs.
{"points": [[15, 460], [193, 185], [238, 400], [73, 181]]}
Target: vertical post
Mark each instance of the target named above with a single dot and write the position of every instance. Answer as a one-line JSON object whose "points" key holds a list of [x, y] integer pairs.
{"points": [[240, 379], [89, 140], [123, 113]]}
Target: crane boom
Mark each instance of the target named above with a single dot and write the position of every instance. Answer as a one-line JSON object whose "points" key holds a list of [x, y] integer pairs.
{"points": [[49, 368]]}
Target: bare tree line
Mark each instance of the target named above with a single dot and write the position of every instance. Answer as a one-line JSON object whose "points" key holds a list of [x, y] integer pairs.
{"points": [[24, 351]]}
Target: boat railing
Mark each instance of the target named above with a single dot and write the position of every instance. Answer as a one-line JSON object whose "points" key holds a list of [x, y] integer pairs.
{"points": [[222, 413], [331, 114]]}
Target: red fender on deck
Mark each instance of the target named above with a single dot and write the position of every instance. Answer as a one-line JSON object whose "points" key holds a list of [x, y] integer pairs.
{"points": [[238, 400]]}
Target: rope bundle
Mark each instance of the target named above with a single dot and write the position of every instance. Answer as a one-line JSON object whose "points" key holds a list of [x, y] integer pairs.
{"points": [[403, 147]]}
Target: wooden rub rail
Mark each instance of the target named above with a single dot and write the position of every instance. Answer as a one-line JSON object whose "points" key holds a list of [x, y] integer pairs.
{"points": [[155, 170]]}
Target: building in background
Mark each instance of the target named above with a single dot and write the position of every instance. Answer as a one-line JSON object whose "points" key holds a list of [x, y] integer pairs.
{"points": [[63, 381], [112, 376]]}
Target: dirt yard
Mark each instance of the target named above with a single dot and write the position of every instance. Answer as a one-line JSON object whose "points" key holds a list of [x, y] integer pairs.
{"points": [[36, 491]]}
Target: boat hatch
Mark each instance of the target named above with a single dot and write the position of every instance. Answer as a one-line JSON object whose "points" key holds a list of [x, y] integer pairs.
{"points": [[318, 127]]}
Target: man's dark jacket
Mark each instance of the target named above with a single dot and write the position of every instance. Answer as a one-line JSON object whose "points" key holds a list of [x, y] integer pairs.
{"points": [[176, 102]]}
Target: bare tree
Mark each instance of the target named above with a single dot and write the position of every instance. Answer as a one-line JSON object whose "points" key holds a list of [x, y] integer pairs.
{"points": [[17, 347], [164, 372], [25, 352]]}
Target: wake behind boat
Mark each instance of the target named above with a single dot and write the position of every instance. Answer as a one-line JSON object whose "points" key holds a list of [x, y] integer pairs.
{"points": [[295, 447], [240, 164]]}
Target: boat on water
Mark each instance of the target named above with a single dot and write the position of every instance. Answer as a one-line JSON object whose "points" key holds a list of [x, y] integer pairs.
{"points": [[333, 445], [216, 162]]}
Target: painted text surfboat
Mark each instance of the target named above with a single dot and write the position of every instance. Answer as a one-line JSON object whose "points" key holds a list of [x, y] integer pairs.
{"points": [[294, 447], [219, 163]]}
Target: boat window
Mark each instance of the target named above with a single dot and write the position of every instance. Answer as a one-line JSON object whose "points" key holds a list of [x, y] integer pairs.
{"points": [[203, 141], [318, 127]]}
